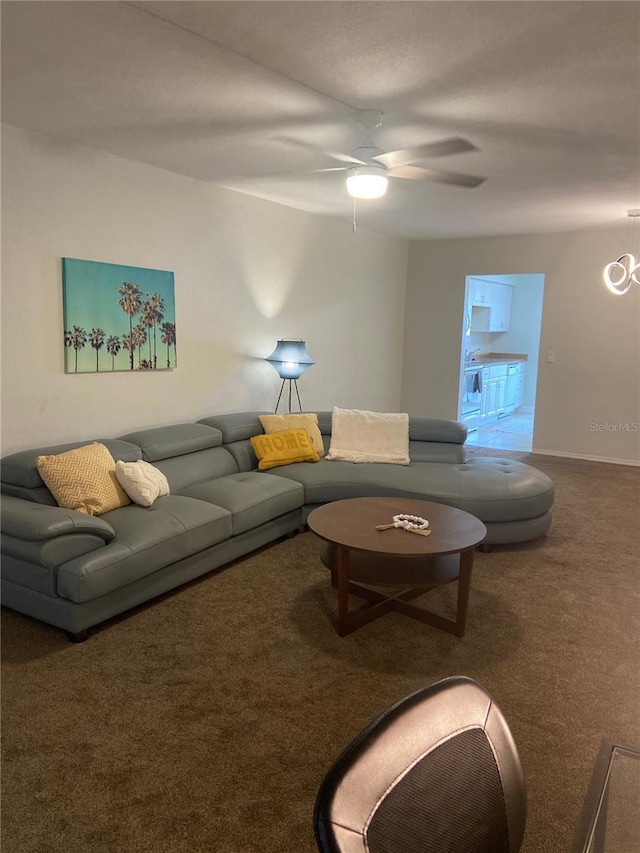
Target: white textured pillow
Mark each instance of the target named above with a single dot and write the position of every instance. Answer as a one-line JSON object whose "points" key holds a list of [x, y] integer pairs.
{"points": [[361, 436], [141, 481]]}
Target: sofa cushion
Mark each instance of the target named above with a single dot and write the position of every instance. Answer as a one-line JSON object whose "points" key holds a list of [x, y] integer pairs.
{"points": [[301, 420], [437, 429], [324, 422], [362, 436], [421, 429], [244, 454], [436, 451], [185, 471], [503, 490], [174, 440], [142, 481], [83, 479], [334, 480], [253, 498], [283, 448], [236, 426], [494, 490], [147, 539]]}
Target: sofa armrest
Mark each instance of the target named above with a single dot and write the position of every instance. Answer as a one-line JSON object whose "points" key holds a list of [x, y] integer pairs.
{"points": [[35, 522]]}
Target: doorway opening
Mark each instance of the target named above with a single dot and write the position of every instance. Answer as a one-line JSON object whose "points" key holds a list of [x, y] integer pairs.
{"points": [[499, 352]]}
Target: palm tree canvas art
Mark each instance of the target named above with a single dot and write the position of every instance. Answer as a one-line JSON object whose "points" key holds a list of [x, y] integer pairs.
{"points": [[117, 317]]}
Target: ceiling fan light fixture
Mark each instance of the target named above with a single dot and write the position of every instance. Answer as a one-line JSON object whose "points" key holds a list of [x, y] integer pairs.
{"points": [[367, 181]]}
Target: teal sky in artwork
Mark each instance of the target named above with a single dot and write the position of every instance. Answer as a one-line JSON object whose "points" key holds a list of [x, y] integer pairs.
{"points": [[90, 292]]}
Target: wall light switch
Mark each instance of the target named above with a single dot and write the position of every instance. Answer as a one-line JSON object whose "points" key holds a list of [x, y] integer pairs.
{"points": [[551, 356]]}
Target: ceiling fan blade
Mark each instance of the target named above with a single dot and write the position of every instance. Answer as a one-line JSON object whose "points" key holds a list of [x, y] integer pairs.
{"points": [[444, 148], [333, 155], [437, 176], [347, 158]]}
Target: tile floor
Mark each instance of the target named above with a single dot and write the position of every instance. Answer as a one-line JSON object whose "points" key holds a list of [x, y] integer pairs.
{"points": [[496, 434]]}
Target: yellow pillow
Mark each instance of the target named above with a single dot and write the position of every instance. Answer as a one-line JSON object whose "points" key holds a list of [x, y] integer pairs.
{"points": [[308, 421], [83, 479], [283, 448]]}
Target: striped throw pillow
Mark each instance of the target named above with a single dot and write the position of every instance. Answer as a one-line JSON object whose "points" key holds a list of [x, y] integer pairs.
{"points": [[83, 479]]}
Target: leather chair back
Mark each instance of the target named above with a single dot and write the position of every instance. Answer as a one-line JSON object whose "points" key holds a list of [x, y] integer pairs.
{"points": [[438, 772]]}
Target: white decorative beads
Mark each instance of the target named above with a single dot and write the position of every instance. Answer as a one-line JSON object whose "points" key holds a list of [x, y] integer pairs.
{"points": [[410, 522]]}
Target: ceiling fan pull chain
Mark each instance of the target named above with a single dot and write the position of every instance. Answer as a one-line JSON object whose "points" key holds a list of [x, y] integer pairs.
{"points": [[354, 215]]}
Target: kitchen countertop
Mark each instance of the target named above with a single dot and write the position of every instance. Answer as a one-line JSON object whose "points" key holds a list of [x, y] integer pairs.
{"points": [[490, 358]]}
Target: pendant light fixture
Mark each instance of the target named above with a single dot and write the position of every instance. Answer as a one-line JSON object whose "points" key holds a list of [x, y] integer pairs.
{"points": [[619, 275]]}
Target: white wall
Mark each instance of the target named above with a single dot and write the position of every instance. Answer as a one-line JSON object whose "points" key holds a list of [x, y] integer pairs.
{"points": [[591, 391], [247, 272]]}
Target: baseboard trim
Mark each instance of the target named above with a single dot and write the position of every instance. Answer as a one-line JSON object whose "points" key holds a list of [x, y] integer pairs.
{"points": [[611, 460]]}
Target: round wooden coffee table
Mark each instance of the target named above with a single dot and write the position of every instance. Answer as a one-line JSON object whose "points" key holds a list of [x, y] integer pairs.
{"points": [[358, 554]]}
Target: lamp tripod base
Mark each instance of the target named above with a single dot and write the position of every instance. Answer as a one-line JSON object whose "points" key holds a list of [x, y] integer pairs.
{"points": [[291, 382]]}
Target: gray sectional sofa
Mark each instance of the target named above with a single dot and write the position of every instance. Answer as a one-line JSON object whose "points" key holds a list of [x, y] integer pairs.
{"points": [[75, 571]]}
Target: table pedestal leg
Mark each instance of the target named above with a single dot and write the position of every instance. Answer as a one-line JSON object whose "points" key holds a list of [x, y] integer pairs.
{"points": [[350, 621], [342, 571], [464, 588]]}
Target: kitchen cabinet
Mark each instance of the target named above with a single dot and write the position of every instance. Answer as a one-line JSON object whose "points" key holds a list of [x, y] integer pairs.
{"points": [[492, 400], [490, 305], [500, 316], [480, 292], [497, 389], [502, 392], [484, 400], [494, 392]]}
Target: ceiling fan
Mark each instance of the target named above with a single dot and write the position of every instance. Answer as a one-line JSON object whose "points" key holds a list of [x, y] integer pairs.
{"points": [[369, 167]]}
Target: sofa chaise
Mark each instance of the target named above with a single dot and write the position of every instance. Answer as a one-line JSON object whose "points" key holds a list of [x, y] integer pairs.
{"points": [[74, 571]]}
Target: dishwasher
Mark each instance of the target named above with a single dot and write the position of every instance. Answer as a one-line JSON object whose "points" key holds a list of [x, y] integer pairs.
{"points": [[471, 398], [511, 396]]}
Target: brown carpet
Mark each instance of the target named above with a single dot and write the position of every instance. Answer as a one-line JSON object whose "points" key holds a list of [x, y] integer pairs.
{"points": [[205, 721]]}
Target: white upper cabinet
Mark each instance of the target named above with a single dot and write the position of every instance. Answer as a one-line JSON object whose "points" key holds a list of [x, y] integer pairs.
{"points": [[480, 292], [490, 306], [500, 307]]}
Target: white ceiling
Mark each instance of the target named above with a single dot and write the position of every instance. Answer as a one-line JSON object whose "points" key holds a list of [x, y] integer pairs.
{"points": [[240, 93]]}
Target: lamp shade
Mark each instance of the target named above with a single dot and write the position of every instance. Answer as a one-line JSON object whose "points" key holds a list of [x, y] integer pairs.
{"points": [[290, 358], [367, 181]]}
